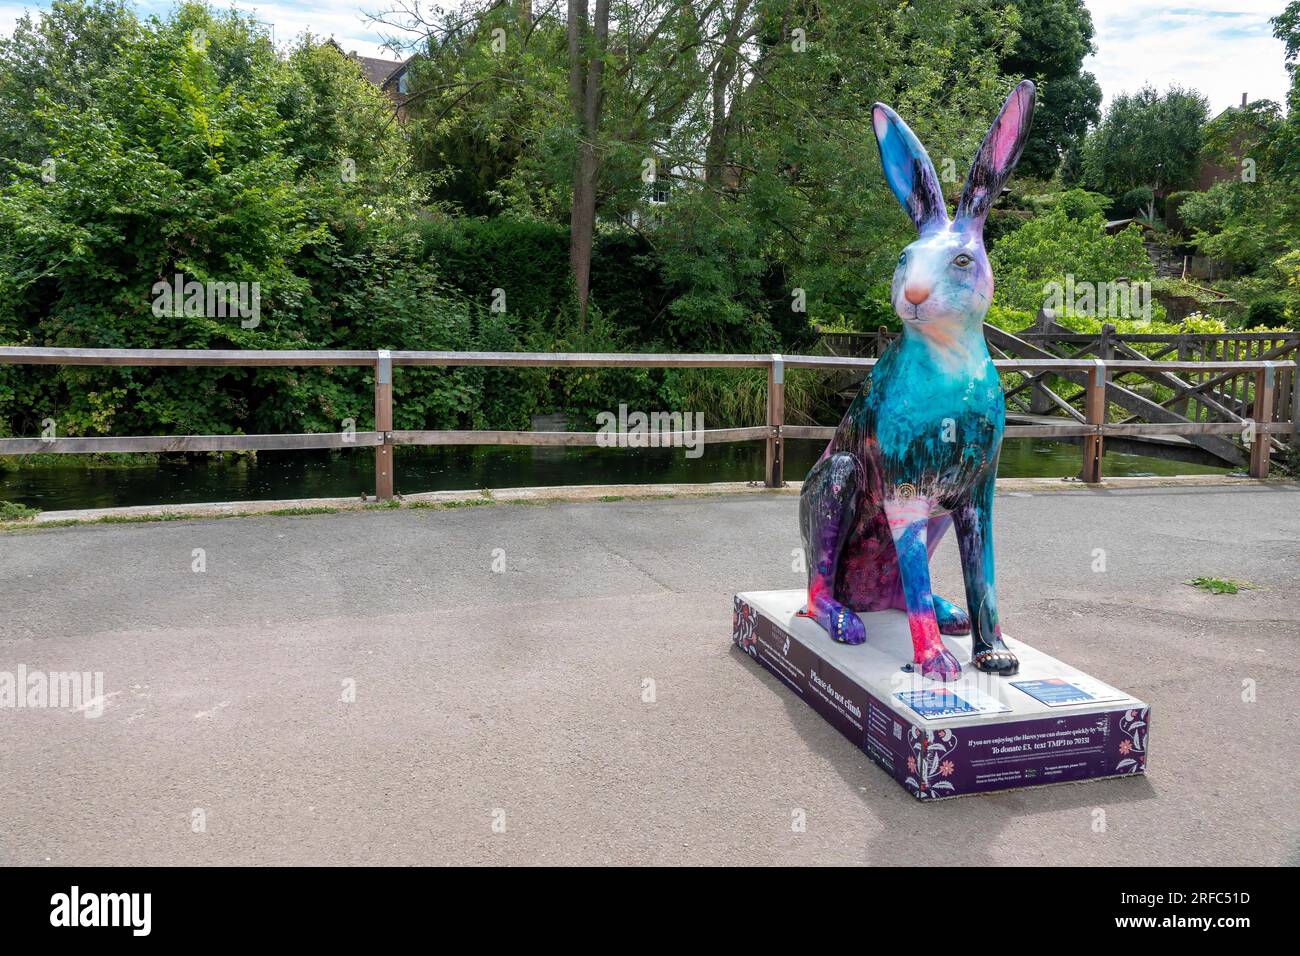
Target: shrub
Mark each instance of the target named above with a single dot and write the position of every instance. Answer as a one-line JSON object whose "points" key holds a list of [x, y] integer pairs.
{"points": [[529, 261], [1269, 311], [13, 511], [1008, 319], [221, 163], [1069, 240], [1133, 203], [1074, 203], [1200, 324]]}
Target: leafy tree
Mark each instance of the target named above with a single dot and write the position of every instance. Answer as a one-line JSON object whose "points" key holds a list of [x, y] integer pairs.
{"points": [[809, 220], [481, 102], [56, 60], [1055, 36], [754, 116], [1253, 221], [1146, 139], [1071, 168], [1226, 138], [801, 228], [197, 149], [1283, 156], [619, 98]]}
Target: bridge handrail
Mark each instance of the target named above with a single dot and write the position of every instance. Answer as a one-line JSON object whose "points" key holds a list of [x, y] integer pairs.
{"points": [[384, 437], [252, 358]]}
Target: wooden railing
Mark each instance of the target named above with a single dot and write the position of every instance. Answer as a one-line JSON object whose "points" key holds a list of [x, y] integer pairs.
{"points": [[1206, 394], [1093, 430], [1146, 395], [1187, 346], [857, 344]]}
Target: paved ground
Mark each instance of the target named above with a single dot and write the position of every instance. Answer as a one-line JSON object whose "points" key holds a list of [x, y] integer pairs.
{"points": [[521, 692]]}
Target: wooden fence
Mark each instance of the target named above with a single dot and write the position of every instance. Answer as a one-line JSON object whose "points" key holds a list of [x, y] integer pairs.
{"points": [[1093, 430]]}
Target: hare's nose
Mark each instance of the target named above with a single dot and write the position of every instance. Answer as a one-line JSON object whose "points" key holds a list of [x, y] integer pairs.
{"points": [[915, 294]]}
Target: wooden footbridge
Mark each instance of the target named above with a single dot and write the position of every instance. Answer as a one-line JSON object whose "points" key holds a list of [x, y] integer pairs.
{"points": [[1240, 410], [1182, 380]]}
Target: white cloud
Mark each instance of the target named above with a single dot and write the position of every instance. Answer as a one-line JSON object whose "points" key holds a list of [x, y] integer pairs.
{"points": [[1222, 48], [344, 20], [9, 14]]}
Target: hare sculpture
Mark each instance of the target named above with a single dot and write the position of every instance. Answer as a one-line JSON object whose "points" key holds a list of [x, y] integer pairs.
{"points": [[917, 450]]}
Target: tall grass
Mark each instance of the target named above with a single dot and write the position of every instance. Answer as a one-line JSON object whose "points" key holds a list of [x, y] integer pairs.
{"points": [[737, 398]]}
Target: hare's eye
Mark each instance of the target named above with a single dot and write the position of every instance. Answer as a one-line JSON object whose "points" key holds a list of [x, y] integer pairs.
{"points": [[902, 257], [962, 261]]}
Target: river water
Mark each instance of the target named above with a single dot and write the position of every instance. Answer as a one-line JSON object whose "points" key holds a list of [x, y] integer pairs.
{"points": [[75, 482]]}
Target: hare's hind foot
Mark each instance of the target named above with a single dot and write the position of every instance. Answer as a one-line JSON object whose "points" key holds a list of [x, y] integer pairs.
{"points": [[827, 511], [953, 621], [839, 622]]}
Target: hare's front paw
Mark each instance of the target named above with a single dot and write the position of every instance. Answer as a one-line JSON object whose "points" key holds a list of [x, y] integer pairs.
{"points": [[940, 665], [838, 621], [935, 660], [996, 660]]}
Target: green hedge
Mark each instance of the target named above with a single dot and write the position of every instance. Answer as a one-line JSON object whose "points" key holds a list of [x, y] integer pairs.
{"points": [[529, 260]]}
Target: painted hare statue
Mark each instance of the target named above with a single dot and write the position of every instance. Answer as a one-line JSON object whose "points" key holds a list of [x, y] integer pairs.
{"points": [[917, 450]]}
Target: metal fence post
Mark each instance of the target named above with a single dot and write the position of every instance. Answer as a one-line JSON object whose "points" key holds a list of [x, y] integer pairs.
{"points": [[775, 419], [383, 425], [1262, 447], [1095, 409]]}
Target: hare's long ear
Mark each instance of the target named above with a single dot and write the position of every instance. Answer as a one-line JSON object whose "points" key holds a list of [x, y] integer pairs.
{"points": [[998, 155], [909, 171]]}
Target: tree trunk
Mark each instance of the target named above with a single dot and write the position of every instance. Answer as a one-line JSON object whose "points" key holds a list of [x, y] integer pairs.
{"points": [[582, 226], [715, 151], [724, 71], [586, 74]]}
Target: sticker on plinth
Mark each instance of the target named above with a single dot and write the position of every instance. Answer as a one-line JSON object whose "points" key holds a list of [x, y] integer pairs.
{"points": [[1059, 692], [933, 703]]}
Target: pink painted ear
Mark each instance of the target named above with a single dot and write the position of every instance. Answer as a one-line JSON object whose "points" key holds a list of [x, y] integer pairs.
{"points": [[997, 156]]}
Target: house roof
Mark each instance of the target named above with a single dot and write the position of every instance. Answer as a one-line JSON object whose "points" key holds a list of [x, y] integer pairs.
{"points": [[1232, 109], [378, 71]]}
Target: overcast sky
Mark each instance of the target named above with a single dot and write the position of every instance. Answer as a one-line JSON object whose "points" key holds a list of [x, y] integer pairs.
{"points": [[1221, 47]]}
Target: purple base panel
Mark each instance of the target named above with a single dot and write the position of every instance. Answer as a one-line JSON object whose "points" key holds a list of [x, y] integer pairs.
{"points": [[933, 763]]}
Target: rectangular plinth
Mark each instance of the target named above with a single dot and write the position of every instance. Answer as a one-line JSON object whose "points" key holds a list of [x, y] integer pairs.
{"points": [[1048, 724]]}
